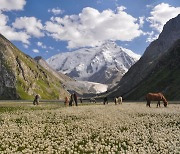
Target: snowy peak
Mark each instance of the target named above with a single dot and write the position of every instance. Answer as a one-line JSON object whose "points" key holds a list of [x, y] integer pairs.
{"points": [[99, 64]]}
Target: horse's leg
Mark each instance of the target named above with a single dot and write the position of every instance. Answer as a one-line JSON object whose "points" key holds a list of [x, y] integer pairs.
{"points": [[148, 103], [158, 104]]}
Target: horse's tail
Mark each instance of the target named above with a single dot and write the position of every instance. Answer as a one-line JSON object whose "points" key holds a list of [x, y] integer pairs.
{"points": [[146, 98]]}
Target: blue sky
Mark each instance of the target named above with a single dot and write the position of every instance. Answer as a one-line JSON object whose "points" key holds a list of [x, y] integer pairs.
{"points": [[45, 27]]}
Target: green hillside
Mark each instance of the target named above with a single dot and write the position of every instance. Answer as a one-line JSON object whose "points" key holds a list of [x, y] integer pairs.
{"points": [[165, 77], [22, 78]]}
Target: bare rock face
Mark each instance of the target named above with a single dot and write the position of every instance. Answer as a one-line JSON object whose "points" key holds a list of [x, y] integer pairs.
{"points": [[7, 75], [141, 69], [21, 77]]}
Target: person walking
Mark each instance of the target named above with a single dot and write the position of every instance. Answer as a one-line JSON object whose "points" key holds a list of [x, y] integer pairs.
{"points": [[105, 100], [81, 100], [75, 99], [71, 100]]}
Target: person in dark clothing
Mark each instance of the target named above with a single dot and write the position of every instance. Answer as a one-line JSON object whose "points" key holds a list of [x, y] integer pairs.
{"points": [[75, 99], [105, 100], [36, 100], [81, 100], [71, 100]]}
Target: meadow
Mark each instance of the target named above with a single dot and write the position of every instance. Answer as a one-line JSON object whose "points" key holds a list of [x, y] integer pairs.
{"points": [[90, 128]]}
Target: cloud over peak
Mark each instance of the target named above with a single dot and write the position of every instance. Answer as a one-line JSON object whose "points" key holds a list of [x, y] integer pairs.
{"points": [[92, 28], [160, 14]]}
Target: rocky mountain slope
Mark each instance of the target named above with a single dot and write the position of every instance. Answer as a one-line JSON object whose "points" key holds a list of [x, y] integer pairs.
{"points": [[165, 77], [149, 60], [105, 64], [72, 85], [21, 77], [63, 78]]}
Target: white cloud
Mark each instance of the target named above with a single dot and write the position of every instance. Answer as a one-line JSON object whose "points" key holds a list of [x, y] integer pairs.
{"points": [[160, 14], [141, 21], [51, 48], [56, 11], [151, 36], [40, 44], [149, 6], [92, 28], [31, 25], [35, 50], [7, 5], [25, 46], [10, 33]]}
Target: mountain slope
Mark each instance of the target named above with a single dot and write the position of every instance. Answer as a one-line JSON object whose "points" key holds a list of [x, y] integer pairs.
{"points": [[21, 77], [165, 77], [80, 87], [141, 70], [105, 64], [63, 78]]}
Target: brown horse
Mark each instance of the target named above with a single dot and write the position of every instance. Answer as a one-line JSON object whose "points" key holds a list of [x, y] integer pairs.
{"points": [[156, 97]]}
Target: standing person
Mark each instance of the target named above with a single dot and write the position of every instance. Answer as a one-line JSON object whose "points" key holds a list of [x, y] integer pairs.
{"points": [[66, 102], [36, 100], [71, 100], [75, 99], [80, 100], [105, 100]]}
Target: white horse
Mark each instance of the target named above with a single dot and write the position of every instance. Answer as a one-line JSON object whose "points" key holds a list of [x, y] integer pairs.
{"points": [[119, 100]]}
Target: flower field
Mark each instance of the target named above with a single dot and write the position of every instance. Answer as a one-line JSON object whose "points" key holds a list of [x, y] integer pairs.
{"points": [[127, 128]]}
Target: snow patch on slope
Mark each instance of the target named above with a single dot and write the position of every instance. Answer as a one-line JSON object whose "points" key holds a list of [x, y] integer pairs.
{"points": [[85, 63]]}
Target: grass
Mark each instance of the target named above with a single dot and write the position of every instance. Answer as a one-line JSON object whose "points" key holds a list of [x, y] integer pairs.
{"points": [[27, 106], [89, 128], [13, 106]]}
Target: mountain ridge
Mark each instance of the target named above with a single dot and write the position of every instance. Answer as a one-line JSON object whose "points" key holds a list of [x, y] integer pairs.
{"points": [[141, 69], [80, 87], [22, 78], [165, 77], [105, 64]]}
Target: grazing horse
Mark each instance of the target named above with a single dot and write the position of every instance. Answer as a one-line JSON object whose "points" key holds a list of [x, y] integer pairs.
{"points": [[92, 100], [115, 100], [119, 100], [66, 102], [156, 97]]}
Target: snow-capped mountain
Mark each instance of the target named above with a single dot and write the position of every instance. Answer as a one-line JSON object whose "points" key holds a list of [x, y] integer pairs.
{"points": [[103, 64]]}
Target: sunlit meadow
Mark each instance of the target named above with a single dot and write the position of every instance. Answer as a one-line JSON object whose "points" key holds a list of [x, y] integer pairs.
{"points": [[53, 128]]}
